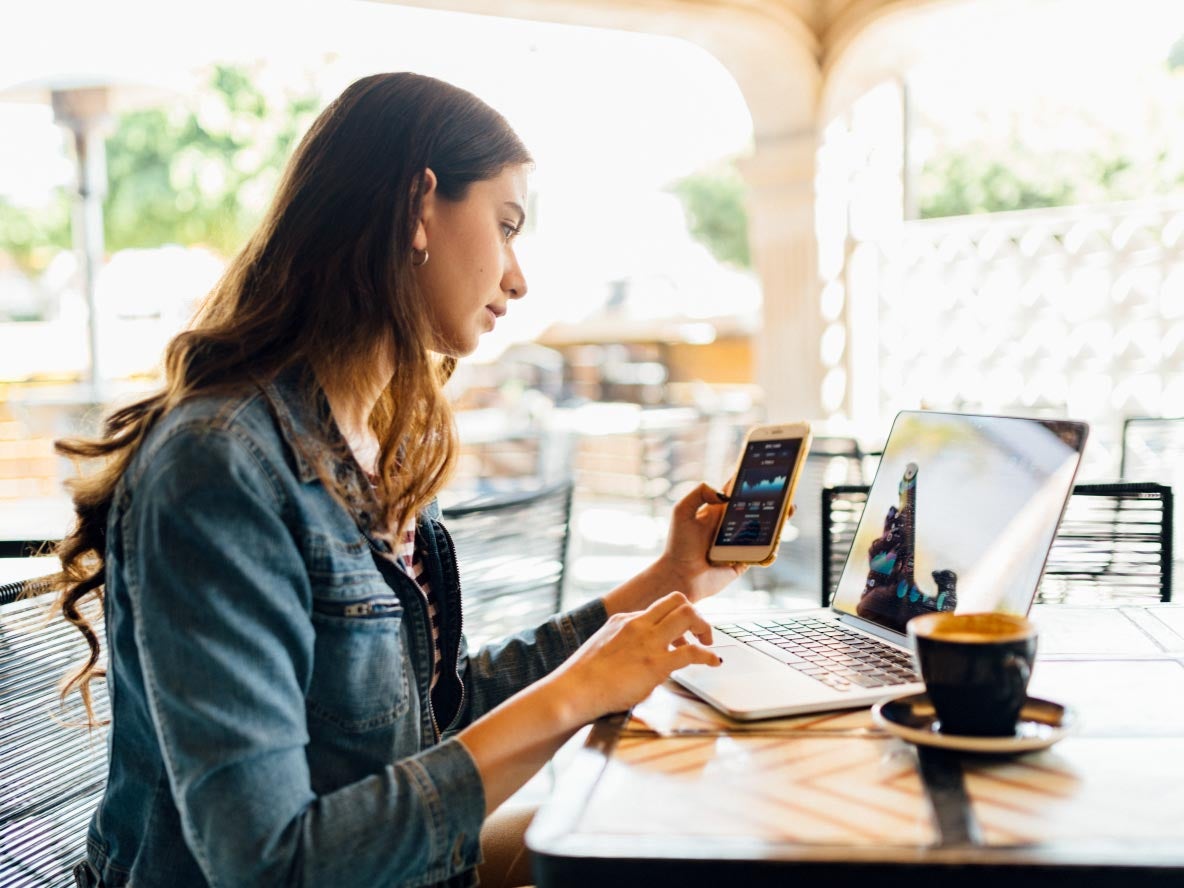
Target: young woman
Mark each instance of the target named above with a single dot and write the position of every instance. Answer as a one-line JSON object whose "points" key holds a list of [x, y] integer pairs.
{"points": [[292, 699]]}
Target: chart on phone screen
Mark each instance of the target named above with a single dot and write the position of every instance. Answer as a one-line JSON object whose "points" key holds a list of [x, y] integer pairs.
{"points": [[758, 494]]}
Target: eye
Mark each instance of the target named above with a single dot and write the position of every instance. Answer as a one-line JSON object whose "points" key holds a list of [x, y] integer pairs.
{"points": [[509, 230]]}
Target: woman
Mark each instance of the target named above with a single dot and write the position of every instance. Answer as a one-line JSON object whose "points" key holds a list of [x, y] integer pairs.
{"points": [[292, 699]]}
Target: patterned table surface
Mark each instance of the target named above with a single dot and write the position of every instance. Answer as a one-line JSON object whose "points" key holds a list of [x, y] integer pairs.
{"points": [[678, 783]]}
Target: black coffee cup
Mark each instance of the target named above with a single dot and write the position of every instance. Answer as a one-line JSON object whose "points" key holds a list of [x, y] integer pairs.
{"points": [[975, 668]]}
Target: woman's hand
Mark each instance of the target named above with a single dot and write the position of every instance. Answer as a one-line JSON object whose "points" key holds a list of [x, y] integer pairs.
{"points": [[632, 654], [617, 667], [684, 561], [683, 565]]}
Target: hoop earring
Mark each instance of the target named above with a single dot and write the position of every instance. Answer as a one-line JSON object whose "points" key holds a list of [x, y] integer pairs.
{"points": [[416, 261]]}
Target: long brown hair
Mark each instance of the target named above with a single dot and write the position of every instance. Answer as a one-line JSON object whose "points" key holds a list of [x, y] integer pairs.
{"points": [[326, 280]]}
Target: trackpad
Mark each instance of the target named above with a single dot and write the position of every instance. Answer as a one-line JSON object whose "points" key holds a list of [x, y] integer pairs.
{"points": [[750, 680]]}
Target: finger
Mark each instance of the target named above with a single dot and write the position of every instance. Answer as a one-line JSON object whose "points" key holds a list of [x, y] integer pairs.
{"points": [[703, 495], [664, 606], [682, 620], [693, 653]]}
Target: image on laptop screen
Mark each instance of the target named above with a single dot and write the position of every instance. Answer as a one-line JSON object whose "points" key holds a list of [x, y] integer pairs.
{"points": [[960, 516]]}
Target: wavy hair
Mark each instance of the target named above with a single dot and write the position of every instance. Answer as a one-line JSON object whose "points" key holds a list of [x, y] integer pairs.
{"points": [[325, 281]]}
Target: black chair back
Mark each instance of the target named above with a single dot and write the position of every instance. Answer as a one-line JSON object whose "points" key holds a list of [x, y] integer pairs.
{"points": [[512, 554], [52, 772], [1114, 544]]}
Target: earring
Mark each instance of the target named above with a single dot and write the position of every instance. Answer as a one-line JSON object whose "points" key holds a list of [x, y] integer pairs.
{"points": [[416, 261]]}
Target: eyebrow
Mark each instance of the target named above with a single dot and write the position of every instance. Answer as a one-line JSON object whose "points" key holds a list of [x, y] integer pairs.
{"points": [[514, 205]]}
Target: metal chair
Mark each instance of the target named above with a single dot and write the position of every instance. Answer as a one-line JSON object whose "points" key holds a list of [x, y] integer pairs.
{"points": [[52, 772], [511, 550], [25, 548], [1113, 545], [1153, 450]]}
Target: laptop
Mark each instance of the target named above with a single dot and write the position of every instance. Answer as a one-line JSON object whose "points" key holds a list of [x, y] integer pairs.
{"points": [[961, 516]]}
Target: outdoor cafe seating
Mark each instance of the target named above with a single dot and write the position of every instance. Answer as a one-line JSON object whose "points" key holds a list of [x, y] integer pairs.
{"points": [[831, 798]]}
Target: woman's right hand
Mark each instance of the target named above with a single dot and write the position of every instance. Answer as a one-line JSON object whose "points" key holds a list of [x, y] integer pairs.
{"points": [[632, 654]]}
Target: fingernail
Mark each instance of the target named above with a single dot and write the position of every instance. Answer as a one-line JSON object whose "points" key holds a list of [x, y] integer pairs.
{"points": [[722, 497], [720, 659]]}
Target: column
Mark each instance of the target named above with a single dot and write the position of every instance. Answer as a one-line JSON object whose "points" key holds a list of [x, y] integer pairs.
{"points": [[780, 177]]}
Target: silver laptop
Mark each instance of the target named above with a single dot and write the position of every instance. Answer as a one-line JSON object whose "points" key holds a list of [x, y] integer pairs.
{"points": [[961, 516]]}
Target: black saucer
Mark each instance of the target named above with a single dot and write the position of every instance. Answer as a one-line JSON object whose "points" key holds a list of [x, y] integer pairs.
{"points": [[911, 717]]}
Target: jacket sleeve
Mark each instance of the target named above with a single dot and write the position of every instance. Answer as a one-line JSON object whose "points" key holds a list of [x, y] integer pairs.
{"points": [[499, 670], [220, 600]]}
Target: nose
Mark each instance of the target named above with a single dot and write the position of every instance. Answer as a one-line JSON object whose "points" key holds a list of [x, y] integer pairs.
{"points": [[514, 281]]}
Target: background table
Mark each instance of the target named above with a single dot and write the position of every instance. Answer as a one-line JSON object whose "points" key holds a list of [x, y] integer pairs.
{"points": [[679, 793]]}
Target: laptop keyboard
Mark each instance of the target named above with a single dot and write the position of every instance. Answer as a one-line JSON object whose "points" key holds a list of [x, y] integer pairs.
{"points": [[827, 651]]}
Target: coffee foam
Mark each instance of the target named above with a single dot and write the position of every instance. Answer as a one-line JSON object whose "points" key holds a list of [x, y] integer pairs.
{"points": [[972, 628]]}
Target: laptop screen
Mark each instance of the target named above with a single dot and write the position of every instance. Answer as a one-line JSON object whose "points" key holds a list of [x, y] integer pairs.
{"points": [[960, 516]]}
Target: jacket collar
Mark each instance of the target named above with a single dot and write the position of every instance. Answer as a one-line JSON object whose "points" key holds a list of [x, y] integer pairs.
{"points": [[318, 448]]}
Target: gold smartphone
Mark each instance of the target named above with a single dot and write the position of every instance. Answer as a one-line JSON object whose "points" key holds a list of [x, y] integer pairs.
{"points": [[762, 490]]}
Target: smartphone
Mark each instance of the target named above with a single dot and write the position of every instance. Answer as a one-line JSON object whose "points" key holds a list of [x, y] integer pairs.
{"points": [[762, 490]]}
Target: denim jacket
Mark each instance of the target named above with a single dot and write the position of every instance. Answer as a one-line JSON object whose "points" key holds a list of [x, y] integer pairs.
{"points": [[268, 668]]}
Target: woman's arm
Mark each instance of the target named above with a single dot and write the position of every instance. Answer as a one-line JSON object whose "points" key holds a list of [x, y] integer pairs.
{"points": [[619, 666], [683, 565]]}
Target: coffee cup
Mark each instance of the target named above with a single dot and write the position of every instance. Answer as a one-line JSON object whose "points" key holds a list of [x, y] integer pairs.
{"points": [[975, 668]]}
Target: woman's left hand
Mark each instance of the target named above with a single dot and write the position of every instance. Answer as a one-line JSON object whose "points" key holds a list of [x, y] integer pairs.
{"points": [[692, 526], [682, 566]]}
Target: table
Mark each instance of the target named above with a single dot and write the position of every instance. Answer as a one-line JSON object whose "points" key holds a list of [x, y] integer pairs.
{"points": [[677, 794]]}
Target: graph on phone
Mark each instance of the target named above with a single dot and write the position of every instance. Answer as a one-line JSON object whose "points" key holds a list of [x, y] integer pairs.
{"points": [[759, 493]]}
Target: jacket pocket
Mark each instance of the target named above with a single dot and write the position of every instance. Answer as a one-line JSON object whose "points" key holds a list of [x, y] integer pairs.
{"points": [[359, 676]]}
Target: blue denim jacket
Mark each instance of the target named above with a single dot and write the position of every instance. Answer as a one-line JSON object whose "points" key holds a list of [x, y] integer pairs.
{"points": [[269, 676]]}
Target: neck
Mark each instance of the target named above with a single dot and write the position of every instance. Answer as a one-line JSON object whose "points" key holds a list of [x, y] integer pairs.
{"points": [[351, 411]]}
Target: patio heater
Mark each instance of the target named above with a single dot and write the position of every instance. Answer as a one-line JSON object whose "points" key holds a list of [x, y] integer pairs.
{"points": [[82, 104]]}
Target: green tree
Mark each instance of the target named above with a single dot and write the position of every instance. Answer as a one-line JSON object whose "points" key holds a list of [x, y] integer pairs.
{"points": [[201, 174], [32, 236], [714, 204]]}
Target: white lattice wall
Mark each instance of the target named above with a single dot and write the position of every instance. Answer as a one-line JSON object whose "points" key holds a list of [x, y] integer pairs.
{"points": [[1074, 312]]}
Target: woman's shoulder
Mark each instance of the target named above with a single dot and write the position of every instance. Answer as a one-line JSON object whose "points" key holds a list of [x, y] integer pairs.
{"points": [[213, 431]]}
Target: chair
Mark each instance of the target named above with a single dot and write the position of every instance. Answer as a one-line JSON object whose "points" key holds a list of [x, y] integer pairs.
{"points": [[511, 550], [25, 548], [51, 771], [1153, 450], [1114, 544]]}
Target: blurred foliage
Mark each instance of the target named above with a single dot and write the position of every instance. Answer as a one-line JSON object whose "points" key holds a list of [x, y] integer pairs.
{"points": [[198, 173], [201, 175], [980, 179], [991, 178], [1025, 168], [32, 236], [714, 204]]}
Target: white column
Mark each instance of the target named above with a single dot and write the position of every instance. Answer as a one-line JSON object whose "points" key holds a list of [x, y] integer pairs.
{"points": [[780, 177]]}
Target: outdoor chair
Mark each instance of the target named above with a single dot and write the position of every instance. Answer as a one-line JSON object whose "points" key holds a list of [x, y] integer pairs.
{"points": [[51, 770], [1153, 450], [1113, 546], [25, 548], [511, 550]]}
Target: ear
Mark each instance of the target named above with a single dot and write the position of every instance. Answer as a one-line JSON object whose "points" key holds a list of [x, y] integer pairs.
{"points": [[427, 210]]}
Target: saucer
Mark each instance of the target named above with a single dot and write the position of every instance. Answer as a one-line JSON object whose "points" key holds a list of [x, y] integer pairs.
{"points": [[912, 718]]}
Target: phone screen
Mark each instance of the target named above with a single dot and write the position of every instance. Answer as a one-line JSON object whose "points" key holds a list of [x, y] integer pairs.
{"points": [[759, 493]]}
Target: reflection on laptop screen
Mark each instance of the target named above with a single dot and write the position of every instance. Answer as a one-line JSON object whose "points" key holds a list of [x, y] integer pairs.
{"points": [[961, 516]]}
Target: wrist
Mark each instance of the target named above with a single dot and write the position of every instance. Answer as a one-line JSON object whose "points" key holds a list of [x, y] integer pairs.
{"points": [[639, 592], [562, 701]]}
